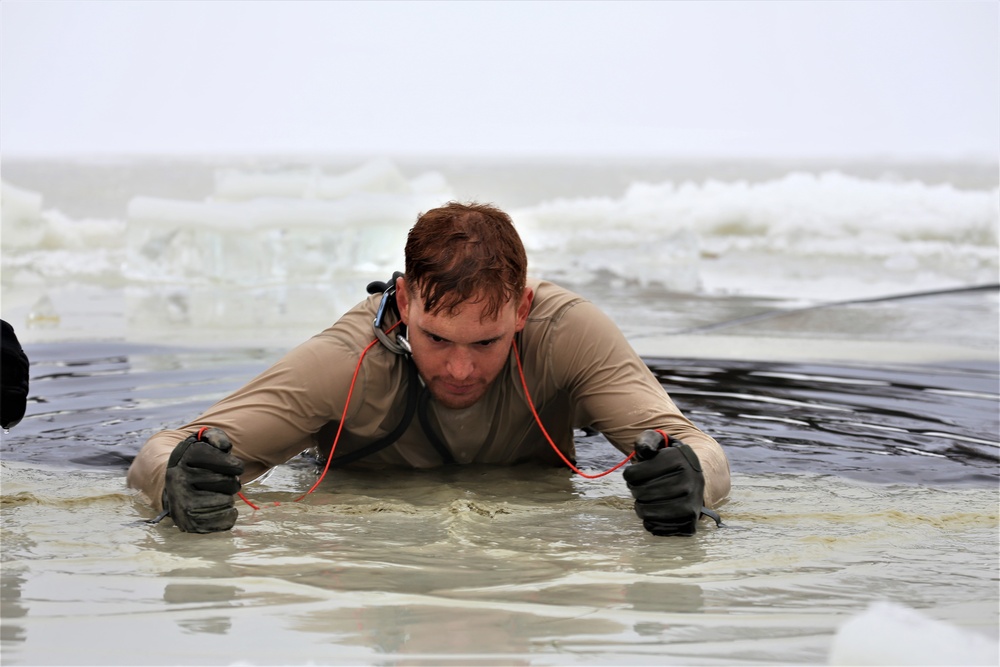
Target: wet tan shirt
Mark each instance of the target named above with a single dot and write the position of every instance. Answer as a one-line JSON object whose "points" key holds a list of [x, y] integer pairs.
{"points": [[580, 371]]}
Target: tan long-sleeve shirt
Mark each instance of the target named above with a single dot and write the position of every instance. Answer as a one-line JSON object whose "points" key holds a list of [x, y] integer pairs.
{"points": [[580, 372]]}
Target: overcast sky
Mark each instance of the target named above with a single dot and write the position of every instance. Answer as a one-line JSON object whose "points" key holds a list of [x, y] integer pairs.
{"points": [[673, 79]]}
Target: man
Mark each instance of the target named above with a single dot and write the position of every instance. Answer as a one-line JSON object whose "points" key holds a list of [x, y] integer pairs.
{"points": [[468, 322]]}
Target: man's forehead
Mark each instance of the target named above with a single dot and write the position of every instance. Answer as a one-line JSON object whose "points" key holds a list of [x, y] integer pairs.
{"points": [[469, 310], [477, 304]]}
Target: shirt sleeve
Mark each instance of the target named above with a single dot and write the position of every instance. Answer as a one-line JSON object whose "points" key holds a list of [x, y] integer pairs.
{"points": [[615, 392], [270, 419]]}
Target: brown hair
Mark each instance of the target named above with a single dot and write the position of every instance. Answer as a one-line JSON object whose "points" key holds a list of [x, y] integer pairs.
{"points": [[461, 252]]}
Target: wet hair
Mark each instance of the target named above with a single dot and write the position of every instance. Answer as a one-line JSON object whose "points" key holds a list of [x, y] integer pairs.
{"points": [[465, 253]]}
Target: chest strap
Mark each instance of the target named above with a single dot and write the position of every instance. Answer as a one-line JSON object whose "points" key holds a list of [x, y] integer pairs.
{"points": [[425, 423], [324, 437], [417, 399]]}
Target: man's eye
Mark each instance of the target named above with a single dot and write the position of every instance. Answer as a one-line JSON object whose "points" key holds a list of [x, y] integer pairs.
{"points": [[486, 343], [436, 339]]}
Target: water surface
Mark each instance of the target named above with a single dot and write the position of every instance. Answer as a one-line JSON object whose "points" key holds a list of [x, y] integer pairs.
{"points": [[852, 483]]}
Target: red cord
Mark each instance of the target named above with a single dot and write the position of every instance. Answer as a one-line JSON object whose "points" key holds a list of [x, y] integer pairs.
{"points": [[247, 500], [340, 427], [527, 395], [538, 420], [343, 418]]}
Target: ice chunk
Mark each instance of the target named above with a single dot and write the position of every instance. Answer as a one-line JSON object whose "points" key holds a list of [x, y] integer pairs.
{"points": [[891, 634], [374, 176], [264, 241], [21, 215]]}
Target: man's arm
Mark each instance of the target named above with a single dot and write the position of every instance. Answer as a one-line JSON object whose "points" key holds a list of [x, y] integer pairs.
{"points": [[616, 393], [148, 470], [269, 420]]}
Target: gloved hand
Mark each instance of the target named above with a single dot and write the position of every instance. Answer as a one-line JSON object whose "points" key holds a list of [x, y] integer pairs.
{"points": [[667, 483], [15, 378], [201, 479]]}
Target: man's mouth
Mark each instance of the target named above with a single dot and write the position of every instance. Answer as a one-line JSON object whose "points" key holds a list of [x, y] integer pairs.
{"points": [[458, 388]]}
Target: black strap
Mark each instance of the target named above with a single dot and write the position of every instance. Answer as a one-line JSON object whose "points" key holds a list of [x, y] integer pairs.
{"points": [[378, 287], [414, 396], [425, 423], [328, 432], [713, 515]]}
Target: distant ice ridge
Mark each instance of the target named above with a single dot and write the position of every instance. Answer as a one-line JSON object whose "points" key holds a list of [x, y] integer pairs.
{"points": [[771, 238], [802, 235], [44, 246], [376, 176], [271, 228]]}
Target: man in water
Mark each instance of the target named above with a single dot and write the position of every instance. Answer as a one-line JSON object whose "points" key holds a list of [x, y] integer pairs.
{"points": [[497, 369]]}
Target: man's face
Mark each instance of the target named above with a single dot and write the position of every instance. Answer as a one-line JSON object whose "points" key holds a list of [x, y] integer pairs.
{"points": [[460, 354]]}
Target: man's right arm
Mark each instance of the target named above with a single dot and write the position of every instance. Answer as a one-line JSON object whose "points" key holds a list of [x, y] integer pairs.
{"points": [[268, 421], [148, 470]]}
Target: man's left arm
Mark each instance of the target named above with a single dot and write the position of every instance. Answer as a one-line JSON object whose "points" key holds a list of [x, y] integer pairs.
{"points": [[616, 394]]}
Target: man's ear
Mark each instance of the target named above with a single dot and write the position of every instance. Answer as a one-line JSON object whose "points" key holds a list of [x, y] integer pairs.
{"points": [[524, 307], [402, 300]]}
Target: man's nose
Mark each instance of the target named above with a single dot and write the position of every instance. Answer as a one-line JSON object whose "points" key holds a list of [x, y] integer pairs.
{"points": [[459, 364]]}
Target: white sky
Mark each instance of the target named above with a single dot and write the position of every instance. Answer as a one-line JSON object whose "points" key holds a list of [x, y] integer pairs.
{"points": [[674, 79]]}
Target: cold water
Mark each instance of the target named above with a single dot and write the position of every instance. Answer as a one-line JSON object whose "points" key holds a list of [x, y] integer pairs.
{"points": [[834, 329]]}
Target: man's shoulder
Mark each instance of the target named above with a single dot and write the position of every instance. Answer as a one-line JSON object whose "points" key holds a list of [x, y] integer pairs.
{"points": [[556, 308], [551, 301]]}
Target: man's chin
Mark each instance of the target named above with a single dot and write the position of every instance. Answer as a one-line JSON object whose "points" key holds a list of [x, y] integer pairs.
{"points": [[456, 401]]}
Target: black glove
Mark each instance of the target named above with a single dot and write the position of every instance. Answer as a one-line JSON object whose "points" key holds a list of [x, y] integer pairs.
{"points": [[668, 486], [201, 478], [15, 378]]}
